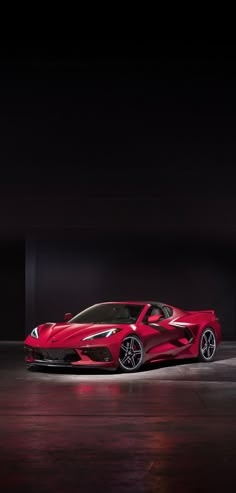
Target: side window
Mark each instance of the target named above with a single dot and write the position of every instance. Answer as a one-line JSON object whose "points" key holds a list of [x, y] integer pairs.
{"points": [[153, 310]]}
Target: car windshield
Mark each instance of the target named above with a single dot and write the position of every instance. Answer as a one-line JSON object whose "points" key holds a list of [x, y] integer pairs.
{"points": [[109, 313]]}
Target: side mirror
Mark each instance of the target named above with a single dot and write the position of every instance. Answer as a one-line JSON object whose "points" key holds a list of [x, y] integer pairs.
{"points": [[67, 317], [154, 318]]}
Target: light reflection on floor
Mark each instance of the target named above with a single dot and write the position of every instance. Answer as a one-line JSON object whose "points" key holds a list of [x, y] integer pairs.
{"points": [[168, 428]]}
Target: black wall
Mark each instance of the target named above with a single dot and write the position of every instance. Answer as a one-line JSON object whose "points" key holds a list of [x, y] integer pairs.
{"points": [[128, 152], [12, 295], [71, 270]]}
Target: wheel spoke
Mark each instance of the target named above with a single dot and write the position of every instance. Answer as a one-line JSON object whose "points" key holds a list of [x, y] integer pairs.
{"points": [[131, 346], [126, 358], [133, 361], [204, 348], [124, 347]]}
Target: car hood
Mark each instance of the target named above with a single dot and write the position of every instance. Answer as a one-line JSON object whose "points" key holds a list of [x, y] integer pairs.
{"points": [[69, 334]]}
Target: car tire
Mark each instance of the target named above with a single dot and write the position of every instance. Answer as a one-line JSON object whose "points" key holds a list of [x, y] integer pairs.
{"points": [[207, 345], [131, 354]]}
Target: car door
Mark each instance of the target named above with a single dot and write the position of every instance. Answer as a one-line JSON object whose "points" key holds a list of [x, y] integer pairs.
{"points": [[163, 338]]}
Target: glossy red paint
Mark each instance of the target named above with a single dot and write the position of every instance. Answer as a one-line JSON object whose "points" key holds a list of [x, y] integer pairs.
{"points": [[177, 334]]}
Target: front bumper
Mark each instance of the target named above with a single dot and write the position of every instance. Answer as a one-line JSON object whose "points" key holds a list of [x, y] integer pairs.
{"points": [[93, 356]]}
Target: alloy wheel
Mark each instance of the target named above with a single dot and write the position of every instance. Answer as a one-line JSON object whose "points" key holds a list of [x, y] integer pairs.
{"points": [[208, 344], [131, 353]]}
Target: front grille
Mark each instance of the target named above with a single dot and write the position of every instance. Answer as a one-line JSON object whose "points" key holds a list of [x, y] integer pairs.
{"points": [[54, 355]]}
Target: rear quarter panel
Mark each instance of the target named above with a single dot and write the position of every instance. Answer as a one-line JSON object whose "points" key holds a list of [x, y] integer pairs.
{"points": [[200, 321]]}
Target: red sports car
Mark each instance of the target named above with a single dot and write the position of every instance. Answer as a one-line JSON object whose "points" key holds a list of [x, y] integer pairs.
{"points": [[124, 335]]}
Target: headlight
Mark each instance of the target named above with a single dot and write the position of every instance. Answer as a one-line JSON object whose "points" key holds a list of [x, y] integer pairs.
{"points": [[35, 333], [105, 333]]}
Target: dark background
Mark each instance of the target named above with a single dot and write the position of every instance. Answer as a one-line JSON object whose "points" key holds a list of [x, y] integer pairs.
{"points": [[117, 176]]}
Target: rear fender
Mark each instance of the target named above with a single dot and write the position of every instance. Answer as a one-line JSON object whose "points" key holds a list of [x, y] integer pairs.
{"points": [[213, 324]]}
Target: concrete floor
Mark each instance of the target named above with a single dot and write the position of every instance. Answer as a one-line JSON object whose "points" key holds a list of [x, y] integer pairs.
{"points": [[168, 428]]}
